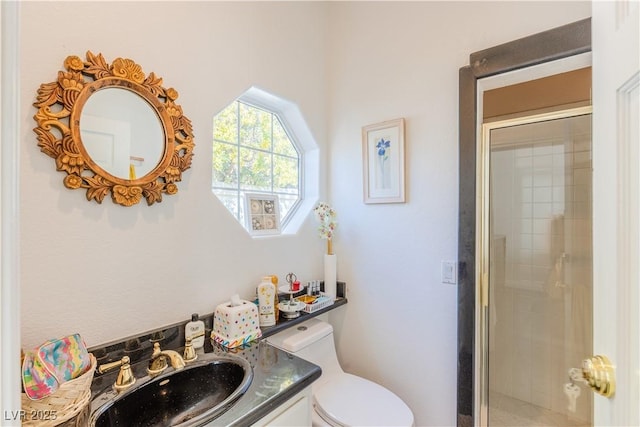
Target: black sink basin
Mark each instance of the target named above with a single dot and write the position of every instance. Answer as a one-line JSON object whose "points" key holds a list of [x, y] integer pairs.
{"points": [[190, 396]]}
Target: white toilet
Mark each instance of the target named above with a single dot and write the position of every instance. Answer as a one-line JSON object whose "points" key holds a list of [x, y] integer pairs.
{"points": [[339, 398]]}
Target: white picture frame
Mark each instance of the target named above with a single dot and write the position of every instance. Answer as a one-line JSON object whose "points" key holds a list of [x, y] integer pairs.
{"points": [[262, 213], [383, 162]]}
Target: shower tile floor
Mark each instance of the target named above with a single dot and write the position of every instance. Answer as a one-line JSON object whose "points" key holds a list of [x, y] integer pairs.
{"points": [[505, 411]]}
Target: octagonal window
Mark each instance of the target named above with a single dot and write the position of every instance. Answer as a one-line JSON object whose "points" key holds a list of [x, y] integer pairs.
{"points": [[257, 154]]}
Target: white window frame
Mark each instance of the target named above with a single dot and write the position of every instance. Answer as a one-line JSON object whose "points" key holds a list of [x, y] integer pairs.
{"points": [[296, 128]]}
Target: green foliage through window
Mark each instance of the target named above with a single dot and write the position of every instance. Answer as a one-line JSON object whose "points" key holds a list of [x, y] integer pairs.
{"points": [[252, 152]]}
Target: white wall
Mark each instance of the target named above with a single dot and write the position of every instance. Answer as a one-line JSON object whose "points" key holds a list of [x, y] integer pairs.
{"points": [[107, 271], [390, 60]]}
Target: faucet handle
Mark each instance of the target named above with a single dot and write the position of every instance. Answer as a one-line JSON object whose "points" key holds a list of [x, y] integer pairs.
{"points": [[156, 349], [157, 364], [125, 377], [189, 352]]}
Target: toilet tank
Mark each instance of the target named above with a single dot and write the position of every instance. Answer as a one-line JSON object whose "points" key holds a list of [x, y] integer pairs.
{"points": [[311, 340]]}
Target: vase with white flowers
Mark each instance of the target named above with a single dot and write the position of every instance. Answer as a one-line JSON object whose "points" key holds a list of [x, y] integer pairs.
{"points": [[326, 216]]}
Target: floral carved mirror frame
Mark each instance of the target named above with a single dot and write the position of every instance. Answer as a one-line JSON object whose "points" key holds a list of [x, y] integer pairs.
{"points": [[60, 105]]}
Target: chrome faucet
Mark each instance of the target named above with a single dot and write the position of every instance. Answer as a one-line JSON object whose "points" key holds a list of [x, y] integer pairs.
{"points": [[159, 360]]}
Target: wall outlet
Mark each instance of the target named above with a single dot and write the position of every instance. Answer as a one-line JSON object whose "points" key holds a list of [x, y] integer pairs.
{"points": [[450, 272]]}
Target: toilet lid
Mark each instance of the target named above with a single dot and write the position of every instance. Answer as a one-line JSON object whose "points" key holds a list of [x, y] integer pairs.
{"points": [[348, 400]]}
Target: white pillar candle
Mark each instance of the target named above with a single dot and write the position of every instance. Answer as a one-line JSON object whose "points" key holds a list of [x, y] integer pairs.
{"points": [[330, 275]]}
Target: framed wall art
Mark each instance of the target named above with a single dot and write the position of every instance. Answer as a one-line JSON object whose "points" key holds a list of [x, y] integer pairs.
{"points": [[383, 162], [262, 213]]}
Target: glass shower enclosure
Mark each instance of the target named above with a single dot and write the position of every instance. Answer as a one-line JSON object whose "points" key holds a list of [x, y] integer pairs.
{"points": [[536, 256]]}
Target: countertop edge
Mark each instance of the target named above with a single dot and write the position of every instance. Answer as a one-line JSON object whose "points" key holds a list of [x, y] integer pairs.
{"points": [[267, 407]]}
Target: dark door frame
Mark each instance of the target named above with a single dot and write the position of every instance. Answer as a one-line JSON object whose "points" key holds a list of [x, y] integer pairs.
{"points": [[568, 40]]}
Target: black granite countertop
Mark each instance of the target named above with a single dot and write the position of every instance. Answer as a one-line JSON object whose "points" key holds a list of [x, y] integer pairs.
{"points": [[277, 375]]}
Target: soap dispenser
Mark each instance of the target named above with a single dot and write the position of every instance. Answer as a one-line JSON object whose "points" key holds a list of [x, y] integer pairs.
{"points": [[266, 302], [194, 330]]}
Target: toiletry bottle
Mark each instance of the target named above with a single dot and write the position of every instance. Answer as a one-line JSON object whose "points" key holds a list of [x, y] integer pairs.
{"points": [[195, 331], [266, 299], [276, 309]]}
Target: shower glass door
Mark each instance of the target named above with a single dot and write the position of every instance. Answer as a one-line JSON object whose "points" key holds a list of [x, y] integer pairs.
{"points": [[537, 259]]}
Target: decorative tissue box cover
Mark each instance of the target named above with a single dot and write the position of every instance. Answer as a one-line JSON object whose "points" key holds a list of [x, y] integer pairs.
{"points": [[235, 326]]}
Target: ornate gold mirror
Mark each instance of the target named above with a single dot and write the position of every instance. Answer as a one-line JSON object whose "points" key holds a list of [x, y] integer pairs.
{"points": [[114, 130]]}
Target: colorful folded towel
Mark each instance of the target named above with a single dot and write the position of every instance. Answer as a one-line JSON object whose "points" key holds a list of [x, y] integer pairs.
{"points": [[53, 363]]}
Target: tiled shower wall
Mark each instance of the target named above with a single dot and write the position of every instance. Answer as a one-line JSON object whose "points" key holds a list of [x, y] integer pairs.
{"points": [[540, 307]]}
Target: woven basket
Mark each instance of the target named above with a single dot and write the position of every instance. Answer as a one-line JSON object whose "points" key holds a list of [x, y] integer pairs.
{"points": [[67, 402], [312, 308]]}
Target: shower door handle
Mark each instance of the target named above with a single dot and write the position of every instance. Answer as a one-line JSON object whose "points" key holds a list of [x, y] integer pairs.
{"points": [[598, 373]]}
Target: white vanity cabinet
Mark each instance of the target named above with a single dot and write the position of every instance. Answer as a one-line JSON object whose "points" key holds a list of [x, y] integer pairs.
{"points": [[295, 412]]}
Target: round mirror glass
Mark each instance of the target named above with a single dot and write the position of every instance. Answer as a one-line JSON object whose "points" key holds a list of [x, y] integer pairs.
{"points": [[122, 133]]}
